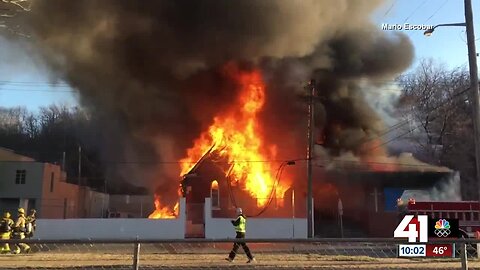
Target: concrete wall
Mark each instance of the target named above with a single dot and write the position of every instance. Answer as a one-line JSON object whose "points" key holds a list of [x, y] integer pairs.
{"points": [[120, 228], [59, 198], [45, 189], [96, 203], [256, 227], [32, 188], [113, 228], [14, 195]]}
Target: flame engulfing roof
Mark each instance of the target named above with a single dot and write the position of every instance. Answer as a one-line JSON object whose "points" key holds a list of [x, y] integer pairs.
{"points": [[234, 140]]}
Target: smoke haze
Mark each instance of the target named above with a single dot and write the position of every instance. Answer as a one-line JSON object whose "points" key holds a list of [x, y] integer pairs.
{"points": [[152, 69], [446, 190]]}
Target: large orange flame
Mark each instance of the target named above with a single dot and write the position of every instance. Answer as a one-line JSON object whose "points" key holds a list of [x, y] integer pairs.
{"points": [[236, 136], [163, 212]]}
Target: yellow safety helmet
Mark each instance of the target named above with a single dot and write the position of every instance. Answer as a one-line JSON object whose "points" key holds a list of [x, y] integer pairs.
{"points": [[6, 215], [21, 210]]}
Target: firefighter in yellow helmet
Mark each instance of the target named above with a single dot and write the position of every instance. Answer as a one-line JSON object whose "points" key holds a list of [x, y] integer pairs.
{"points": [[240, 225], [31, 224], [19, 232], [6, 225]]}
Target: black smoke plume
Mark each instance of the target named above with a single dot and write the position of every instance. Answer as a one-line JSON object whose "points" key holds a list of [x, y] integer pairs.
{"points": [[152, 69]]}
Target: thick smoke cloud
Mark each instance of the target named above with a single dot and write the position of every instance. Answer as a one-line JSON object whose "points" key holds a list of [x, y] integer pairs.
{"points": [[153, 68]]}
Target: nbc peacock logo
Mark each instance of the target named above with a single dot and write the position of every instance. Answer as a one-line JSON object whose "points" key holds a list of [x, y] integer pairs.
{"points": [[442, 228]]}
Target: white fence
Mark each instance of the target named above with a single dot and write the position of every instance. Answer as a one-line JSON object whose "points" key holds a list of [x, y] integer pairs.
{"points": [[266, 228], [115, 228], [156, 229]]}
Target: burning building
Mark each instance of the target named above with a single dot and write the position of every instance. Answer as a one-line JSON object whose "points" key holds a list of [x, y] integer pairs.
{"points": [[231, 162], [234, 150], [211, 93]]}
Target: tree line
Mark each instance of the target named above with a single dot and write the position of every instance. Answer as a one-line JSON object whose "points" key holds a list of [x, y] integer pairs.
{"points": [[54, 134], [435, 102]]}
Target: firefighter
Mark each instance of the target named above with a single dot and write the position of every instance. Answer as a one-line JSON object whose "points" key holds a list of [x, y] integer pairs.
{"points": [[31, 224], [6, 225], [240, 228], [402, 209], [19, 232]]}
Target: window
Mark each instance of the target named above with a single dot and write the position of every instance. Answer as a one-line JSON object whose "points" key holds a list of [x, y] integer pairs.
{"points": [[20, 177], [215, 195], [52, 178]]}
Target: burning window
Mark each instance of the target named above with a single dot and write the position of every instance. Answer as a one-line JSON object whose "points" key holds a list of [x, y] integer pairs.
{"points": [[215, 195]]}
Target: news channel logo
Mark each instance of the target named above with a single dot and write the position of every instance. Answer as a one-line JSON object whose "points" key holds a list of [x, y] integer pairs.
{"points": [[420, 228], [442, 228]]}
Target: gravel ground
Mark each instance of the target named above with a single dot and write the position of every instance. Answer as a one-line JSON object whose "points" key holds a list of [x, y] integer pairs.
{"points": [[97, 260]]}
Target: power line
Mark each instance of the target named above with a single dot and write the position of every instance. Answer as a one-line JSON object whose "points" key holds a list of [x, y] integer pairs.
{"points": [[390, 129], [414, 11], [373, 89], [278, 170], [389, 9], [179, 162], [43, 83], [34, 83], [403, 134], [273, 190], [407, 121], [325, 163], [375, 163], [37, 90], [63, 84], [436, 11]]}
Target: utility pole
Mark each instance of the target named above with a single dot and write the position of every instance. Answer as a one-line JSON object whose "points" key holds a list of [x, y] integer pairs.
{"points": [[311, 127], [63, 161], [79, 165], [340, 215], [472, 62], [293, 213]]}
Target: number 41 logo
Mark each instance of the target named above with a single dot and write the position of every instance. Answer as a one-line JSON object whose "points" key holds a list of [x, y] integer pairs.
{"points": [[413, 228]]}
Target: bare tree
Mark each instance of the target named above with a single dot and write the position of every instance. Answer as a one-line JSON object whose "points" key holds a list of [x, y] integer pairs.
{"points": [[12, 119], [435, 101], [32, 127]]}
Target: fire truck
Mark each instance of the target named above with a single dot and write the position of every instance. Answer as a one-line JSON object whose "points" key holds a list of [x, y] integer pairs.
{"points": [[467, 213]]}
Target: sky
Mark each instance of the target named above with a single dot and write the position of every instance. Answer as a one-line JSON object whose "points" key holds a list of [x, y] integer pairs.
{"points": [[447, 44], [24, 81]]}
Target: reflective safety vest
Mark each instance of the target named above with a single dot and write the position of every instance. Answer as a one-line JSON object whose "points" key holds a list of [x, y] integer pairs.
{"points": [[242, 223]]}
